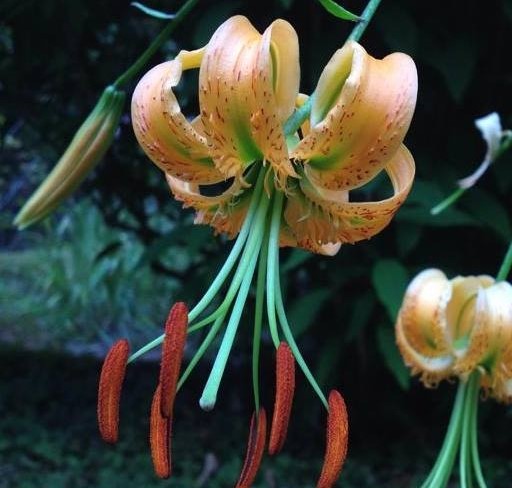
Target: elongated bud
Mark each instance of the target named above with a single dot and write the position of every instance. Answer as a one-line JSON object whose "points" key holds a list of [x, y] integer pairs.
{"points": [[337, 441], [172, 354], [88, 146], [285, 388], [160, 437], [255, 448], [109, 391]]}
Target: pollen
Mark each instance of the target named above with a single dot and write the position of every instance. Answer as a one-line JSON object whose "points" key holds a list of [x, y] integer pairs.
{"points": [[285, 389], [255, 448], [160, 437], [337, 441], [109, 390], [172, 354]]}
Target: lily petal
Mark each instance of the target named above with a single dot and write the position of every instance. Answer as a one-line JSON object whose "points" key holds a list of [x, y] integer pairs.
{"points": [[174, 144], [248, 84], [324, 216], [362, 108], [225, 212]]}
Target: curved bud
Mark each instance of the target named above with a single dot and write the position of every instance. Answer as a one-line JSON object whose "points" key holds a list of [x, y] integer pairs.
{"points": [[85, 150]]}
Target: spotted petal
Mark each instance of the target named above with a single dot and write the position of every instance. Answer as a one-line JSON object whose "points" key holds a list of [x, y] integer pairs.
{"points": [[319, 216], [362, 108], [224, 212], [248, 84], [174, 144]]}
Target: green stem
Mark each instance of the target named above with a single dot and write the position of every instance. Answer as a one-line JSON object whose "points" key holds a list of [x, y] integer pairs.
{"points": [[449, 200], [273, 247], [155, 45], [298, 117], [442, 469], [258, 321], [209, 396], [366, 16], [505, 265]]}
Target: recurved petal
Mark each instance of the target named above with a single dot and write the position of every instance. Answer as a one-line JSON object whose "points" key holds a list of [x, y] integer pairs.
{"points": [[248, 84], [431, 369], [489, 343], [362, 108], [167, 137], [422, 316], [224, 212], [321, 216]]}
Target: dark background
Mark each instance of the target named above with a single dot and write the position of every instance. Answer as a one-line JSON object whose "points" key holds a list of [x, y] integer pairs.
{"points": [[109, 262]]}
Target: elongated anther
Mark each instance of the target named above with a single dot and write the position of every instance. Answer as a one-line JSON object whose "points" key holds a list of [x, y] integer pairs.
{"points": [[109, 390], [255, 448], [172, 354], [160, 437], [337, 441], [285, 389]]}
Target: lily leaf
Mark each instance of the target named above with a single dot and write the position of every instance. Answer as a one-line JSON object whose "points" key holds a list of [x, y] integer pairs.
{"points": [[157, 14], [389, 350], [390, 280], [338, 11]]}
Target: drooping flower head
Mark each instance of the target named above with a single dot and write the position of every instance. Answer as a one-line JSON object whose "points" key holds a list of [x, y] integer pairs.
{"points": [[459, 328], [288, 184], [248, 88]]}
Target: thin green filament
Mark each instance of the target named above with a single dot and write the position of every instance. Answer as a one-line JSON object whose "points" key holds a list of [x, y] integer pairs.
{"points": [[273, 247], [209, 396]]}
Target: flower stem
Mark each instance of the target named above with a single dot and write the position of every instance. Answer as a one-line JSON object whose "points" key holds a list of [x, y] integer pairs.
{"points": [[449, 200], [366, 16], [155, 45], [505, 265], [298, 117]]}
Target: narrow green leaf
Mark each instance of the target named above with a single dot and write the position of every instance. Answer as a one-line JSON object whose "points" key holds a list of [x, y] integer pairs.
{"points": [[338, 11], [390, 281], [392, 358], [295, 259], [157, 14]]}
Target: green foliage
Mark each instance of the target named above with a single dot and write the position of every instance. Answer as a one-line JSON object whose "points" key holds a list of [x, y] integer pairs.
{"points": [[82, 280]]}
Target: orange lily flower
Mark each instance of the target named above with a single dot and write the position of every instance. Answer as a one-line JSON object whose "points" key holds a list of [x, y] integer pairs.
{"points": [[459, 328], [288, 184]]}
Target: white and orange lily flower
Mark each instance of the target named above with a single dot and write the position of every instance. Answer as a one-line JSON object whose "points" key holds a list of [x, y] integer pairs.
{"points": [[247, 176], [248, 88], [459, 328], [447, 328]]}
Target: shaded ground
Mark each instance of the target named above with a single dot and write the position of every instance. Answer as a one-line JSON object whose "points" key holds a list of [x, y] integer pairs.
{"points": [[48, 436]]}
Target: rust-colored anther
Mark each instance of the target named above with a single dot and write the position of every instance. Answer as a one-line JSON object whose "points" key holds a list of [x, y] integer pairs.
{"points": [[255, 448], [109, 390], [337, 441], [160, 437], [285, 388], [172, 354]]}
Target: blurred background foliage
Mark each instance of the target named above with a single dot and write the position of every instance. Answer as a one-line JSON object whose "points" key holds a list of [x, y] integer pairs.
{"points": [[111, 260]]}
